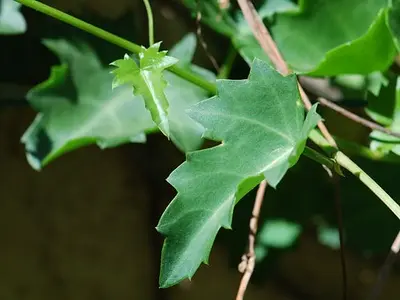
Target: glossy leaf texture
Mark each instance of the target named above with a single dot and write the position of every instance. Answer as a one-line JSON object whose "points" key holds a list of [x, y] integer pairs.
{"points": [[148, 81], [11, 19], [260, 123], [77, 106], [348, 37]]}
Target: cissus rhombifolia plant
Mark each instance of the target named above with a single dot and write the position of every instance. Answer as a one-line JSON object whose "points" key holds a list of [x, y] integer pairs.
{"points": [[259, 123]]}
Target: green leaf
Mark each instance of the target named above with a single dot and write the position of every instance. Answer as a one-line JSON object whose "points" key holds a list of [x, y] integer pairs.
{"points": [[348, 37], [381, 107], [375, 82], [260, 122], [78, 107], [147, 81], [385, 109], [11, 19], [244, 40]]}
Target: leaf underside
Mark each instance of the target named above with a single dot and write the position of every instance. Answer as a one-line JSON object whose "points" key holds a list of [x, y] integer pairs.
{"points": [[260, 123]]}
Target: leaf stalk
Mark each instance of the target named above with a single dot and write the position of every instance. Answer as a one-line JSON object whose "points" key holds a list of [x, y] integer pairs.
{"points": [[150, 21], [113, 39]]}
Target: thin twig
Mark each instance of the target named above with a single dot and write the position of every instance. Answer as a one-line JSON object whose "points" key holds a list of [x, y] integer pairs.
{"points": [[356, 118], [339, 213], [263, 36], [249, 259], [266, 42], [321, 87], [201, 39]]}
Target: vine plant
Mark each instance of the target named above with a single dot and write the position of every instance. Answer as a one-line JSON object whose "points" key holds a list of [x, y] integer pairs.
{"points": [[262, 123]]}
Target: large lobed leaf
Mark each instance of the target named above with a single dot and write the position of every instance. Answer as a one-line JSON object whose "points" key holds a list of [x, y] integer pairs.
{"points": [[77, 106], [316, 37], [260, 122], [328, 38], [11, 19]]}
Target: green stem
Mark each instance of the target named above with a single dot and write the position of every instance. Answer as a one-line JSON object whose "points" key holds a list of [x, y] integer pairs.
{"points": [[353, 168], [227, 66], [150, 21], [347, 163], [362, 151], [59, 15], [315, 136], [114, 39]]}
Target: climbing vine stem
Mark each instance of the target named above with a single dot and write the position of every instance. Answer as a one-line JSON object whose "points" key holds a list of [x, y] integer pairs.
{"points": [[114, 39]]}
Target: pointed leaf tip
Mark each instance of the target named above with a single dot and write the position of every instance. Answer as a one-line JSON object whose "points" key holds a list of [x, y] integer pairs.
{"points": [[261, 127]]}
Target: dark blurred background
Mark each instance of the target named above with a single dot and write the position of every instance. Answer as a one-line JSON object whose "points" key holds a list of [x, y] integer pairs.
{"points": [[84, 227]]}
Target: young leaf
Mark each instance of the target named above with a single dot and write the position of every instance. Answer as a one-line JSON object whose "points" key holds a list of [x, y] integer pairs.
{"points": [[148, 81], [260, 122], [77, 107], [11, 19], [345, 34]]}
